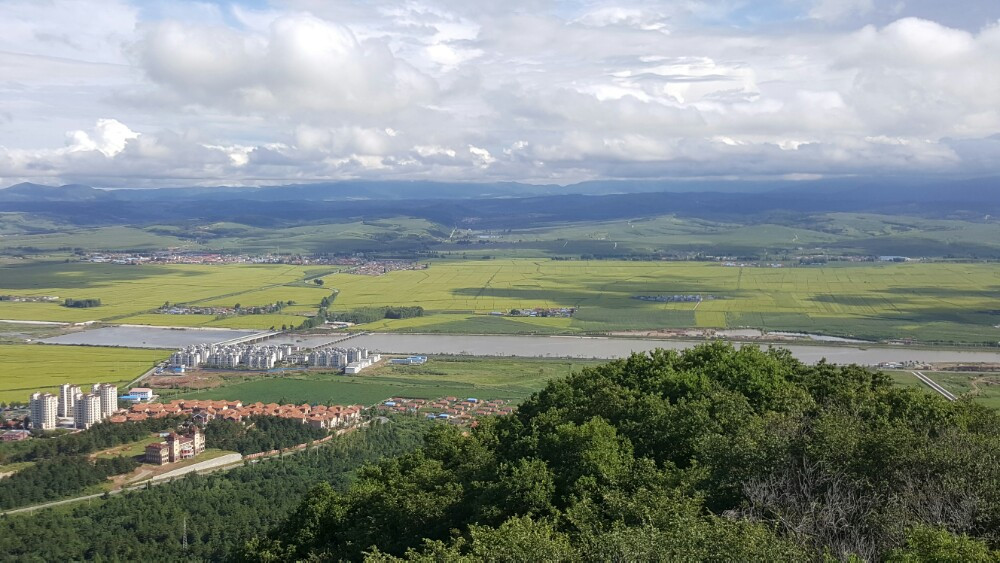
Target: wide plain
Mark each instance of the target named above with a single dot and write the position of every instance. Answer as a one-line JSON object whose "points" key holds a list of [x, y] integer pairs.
{"points": [[932, 302], [942, 302]]}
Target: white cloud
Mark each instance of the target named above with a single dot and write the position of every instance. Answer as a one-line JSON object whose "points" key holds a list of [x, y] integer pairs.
{"points": [[108, 137], [521, 90], [303, 64]]}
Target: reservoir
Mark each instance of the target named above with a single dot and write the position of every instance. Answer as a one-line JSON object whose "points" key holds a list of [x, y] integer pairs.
{"points": [[609, 348]]}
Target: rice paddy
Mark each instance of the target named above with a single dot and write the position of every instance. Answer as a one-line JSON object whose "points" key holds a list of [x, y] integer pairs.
{"points": [[26, 368]]}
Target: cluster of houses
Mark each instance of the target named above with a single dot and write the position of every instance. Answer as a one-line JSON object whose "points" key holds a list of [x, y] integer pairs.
{"points": [[232, 356], [455, 410], [225, 311], [379, 267], [201, 411], [256, 357], [564, 312], [672, 298]]}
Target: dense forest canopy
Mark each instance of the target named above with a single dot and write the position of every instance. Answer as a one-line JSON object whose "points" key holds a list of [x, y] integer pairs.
{"points": [[714, 453], [219, 511]]}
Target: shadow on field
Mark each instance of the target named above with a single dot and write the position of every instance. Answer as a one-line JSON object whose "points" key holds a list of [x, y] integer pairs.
{"points": [[81, 275]]}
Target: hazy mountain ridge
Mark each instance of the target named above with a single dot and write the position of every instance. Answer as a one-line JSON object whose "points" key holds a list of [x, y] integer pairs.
{"points": [[499, 205]]}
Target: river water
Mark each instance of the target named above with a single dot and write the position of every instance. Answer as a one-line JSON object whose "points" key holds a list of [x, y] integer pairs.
{"points": [[609, 348], [499, 345], [147, 336]]}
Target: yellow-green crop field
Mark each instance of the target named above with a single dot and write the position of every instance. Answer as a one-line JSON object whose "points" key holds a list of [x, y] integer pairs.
{"points": [[931, 302], [26, 368], [129, 294]]}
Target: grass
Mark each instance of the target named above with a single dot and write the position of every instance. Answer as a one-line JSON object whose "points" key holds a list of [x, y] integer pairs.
{"points": [[484, 378], [132, 449], [15, 467], [983, 388], [26, 368]]}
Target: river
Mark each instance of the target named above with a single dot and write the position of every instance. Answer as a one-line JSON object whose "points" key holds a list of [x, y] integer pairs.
{"points": [[609, 348]]}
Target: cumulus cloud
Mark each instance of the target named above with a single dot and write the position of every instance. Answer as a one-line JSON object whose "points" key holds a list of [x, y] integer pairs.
{"points": [[310, 90], [303, 64]]}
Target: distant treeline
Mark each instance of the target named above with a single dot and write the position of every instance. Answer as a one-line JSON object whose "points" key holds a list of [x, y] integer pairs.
{"points": [[372, 314], [361, 316], [59, 477], [82, 303]]}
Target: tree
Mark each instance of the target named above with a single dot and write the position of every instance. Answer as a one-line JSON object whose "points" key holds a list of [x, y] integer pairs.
{"points": [[318, 281]]}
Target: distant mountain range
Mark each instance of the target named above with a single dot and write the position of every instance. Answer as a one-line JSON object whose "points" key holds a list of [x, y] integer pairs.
{"points": [[502, 204]]}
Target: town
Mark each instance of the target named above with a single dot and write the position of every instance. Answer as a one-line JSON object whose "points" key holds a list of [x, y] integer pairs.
{"points": [[254, 357], [358, 265]]}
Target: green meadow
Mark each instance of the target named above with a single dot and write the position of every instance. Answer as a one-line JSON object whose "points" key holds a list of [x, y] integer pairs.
{"points": [[484, 378], [26, 368]]}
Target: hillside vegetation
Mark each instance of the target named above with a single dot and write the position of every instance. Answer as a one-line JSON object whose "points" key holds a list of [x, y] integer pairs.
{"points": [[710, 454]]}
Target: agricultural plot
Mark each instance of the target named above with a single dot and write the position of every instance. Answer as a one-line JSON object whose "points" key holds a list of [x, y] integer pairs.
{"points": [[128, 294], [26, 368], [938, 302]]}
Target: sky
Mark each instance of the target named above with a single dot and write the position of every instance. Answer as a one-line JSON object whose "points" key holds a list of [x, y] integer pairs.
{"points": [[115, 93]]}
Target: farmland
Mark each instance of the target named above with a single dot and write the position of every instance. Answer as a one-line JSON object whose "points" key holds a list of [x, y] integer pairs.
{"points": [[485, 378], [929, 302], [27, 368], [939, 302], [129, 294]]}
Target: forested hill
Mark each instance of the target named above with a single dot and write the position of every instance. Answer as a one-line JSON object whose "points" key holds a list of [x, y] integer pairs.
{"points": [[710, 454]]}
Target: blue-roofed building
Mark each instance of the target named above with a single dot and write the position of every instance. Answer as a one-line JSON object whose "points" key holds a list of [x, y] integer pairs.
{"points": [[410, 361]]}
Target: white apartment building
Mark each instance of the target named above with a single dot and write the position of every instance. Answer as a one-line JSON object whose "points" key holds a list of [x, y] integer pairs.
{"points": [[88, 410], [44, 407], [68, 395], [108, 394]]}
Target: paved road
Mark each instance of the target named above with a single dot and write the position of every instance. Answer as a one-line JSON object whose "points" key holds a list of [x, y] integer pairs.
{"points": [[222, 461], [228, 460], [933, 385]]}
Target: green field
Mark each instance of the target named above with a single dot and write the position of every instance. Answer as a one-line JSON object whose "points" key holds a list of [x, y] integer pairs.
{"points": [[942, 302], [26, 368], [129, 294], [484, 378], [32, 233], [981, 387], [929, 302]]}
